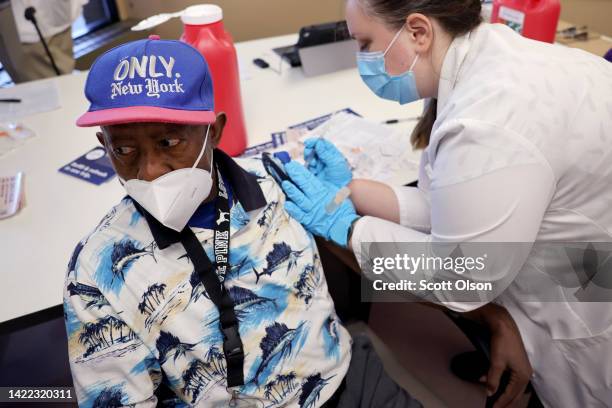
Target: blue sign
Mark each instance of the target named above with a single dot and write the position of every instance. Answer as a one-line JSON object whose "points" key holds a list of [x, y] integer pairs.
{"points": [[94, 167]]}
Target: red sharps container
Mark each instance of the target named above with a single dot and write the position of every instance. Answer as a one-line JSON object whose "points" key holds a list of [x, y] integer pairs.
{"points": [[204, 30], [535, 19]]}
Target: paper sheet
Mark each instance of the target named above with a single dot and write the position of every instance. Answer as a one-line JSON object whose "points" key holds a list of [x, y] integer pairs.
{"points": [[11, 195], [374, 151], [289, 139], [36, 97]]}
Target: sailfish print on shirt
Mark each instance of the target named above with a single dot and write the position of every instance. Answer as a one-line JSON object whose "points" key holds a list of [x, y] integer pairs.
{"points": [[250, 308], [197, 288], [279, 344], [311, 390], [92, 297], [254, 310], [280, 253], [169, 345], [109, 397], [125, 253], [116, 259], [246, 301]]}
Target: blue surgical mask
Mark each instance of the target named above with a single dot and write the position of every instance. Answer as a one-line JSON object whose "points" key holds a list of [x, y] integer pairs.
{"points": [[400, 88]]}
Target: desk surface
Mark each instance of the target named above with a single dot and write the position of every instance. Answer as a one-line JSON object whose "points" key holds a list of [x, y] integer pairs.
{"points": [[596, 43], [36, 244]]}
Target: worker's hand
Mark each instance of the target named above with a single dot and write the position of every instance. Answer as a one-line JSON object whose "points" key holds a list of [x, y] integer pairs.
{"points": [[507, 354], [326, 162], [308, 201]]}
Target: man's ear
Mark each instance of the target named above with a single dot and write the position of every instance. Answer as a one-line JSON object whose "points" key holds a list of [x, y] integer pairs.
{"points": [[101, 138], [217, 128]]}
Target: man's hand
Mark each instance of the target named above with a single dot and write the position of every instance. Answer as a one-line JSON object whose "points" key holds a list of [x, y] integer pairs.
{"points": [[507, 354]]}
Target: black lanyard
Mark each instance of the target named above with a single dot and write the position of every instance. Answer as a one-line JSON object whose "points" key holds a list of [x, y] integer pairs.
{"points": [[212, 276]]}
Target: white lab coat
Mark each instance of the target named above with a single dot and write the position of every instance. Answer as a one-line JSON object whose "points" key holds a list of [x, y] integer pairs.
{"points": [[521, 151]]}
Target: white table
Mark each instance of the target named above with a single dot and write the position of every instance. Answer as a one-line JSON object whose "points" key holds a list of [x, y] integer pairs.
{"points": [[36, 244]]}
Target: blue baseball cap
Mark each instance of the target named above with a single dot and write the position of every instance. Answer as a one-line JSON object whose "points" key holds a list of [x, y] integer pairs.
{"points": [[149, 80]]}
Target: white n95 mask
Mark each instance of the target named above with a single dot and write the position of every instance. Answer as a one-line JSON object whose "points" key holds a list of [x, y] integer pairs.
{"points": [[174, 197]]}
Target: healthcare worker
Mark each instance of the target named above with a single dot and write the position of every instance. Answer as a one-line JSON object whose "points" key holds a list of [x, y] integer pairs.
{"points": [[517, 139], [55, 19]]}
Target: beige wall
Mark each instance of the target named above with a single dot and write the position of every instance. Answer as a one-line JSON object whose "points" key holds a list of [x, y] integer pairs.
{"points": [[596, 14], [250, 19], [244, 19]]}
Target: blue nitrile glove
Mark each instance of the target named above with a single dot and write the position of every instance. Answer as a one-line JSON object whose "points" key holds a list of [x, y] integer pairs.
{"points": [[307, 197], [326, 162]]}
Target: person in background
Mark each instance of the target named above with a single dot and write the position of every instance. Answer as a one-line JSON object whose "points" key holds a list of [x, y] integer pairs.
{"points": [[55, 18]]}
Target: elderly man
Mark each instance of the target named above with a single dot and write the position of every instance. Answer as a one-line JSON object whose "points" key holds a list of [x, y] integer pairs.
{"points": [[199, 280]]}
